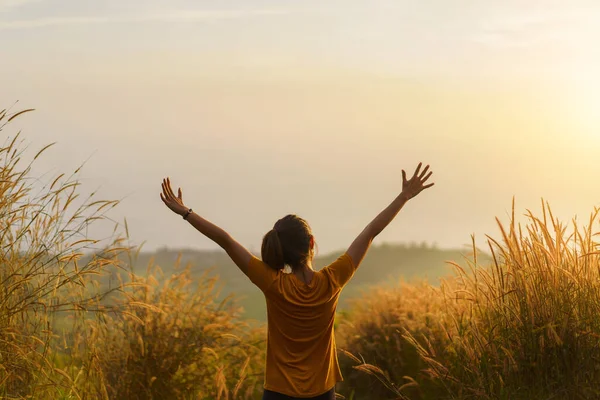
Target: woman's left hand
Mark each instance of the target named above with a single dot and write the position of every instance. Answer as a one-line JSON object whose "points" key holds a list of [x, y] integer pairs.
{"points": [[175, 203]]}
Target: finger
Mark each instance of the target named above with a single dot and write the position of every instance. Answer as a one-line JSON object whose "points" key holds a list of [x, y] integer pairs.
{"points": [[165, 190], [169, 187], [417, 170], [424, 172], [179, 194], [163, 198], [171, 190], [428, 186], [423, 180], [403, 176], [168, 193]]}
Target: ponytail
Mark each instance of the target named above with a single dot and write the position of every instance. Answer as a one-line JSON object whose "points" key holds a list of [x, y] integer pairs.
{"points": [[271, 250]]}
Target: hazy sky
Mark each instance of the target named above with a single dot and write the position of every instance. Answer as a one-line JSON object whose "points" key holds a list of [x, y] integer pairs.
{"points": [[262, 108]]}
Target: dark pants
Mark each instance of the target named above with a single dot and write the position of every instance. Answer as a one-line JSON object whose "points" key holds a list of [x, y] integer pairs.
{"points": [[269, 395]]}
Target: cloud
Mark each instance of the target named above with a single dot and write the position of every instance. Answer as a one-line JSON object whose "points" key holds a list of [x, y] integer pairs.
{"points": [[537, 27], [8, 5], [167, 16]]}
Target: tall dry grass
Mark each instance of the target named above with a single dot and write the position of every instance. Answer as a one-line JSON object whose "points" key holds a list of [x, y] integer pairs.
{"points": [[526, 327], [177, 341], [368, 335], [529, 326], [66, 333], [41, 274]]}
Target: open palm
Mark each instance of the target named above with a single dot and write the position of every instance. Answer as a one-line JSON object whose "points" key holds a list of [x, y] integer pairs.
{"points": [[415, 185], [175, 203]]}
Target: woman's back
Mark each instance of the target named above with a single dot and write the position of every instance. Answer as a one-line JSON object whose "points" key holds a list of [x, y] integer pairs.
{"points": [[301, 353]]}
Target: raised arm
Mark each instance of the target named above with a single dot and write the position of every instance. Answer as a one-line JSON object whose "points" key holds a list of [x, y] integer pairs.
{"points": [[410, 188], [238, 253]]}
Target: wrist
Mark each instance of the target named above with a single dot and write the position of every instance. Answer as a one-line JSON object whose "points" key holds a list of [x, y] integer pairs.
{"points": [[404, 197], [187, 214], [184, 211]]}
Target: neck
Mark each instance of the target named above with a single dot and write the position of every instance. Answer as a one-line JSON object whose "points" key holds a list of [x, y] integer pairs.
{"points": [[303, 267], [304, 272]]}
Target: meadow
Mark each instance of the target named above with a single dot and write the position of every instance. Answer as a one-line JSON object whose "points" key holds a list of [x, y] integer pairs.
{"points": [[384, 263], [82, 318]]}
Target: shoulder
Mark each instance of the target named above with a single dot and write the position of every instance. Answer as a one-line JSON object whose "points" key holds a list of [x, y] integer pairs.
{"points": [[340, 270], [261, 274], [343, 260]]}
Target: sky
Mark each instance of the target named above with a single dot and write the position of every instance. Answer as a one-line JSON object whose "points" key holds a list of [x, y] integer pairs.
{"points": [[262, 108]]}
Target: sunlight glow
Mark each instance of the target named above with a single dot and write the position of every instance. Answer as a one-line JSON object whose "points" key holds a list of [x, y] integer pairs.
{"points": [[586, 100]]}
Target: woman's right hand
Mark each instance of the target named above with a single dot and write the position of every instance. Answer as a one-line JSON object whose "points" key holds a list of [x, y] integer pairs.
{"points": [[415, 185]]}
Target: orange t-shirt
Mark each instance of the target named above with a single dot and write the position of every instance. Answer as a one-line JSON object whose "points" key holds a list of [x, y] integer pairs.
{"points": [[301, 353]]}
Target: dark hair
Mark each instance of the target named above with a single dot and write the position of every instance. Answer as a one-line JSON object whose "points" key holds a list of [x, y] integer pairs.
{"points": [[288, 243]]}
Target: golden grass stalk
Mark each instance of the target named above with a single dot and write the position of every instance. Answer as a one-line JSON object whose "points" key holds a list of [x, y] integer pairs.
{"points": [[525, 327]]}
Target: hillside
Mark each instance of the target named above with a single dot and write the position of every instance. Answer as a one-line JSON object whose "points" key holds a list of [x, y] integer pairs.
{"points": [[384, 263]]}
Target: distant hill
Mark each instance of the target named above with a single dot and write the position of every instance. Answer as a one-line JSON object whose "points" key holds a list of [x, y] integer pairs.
{"points": [[386, 263]]}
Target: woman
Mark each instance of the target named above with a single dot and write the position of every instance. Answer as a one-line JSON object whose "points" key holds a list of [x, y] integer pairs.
{"points": [[301, 354]]}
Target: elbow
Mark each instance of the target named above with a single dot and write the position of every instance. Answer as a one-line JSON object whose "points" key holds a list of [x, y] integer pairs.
{"points": [[370, 232]]}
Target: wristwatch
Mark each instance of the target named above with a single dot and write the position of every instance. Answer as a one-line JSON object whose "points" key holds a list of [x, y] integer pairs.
{"points": [[187, 214]]}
